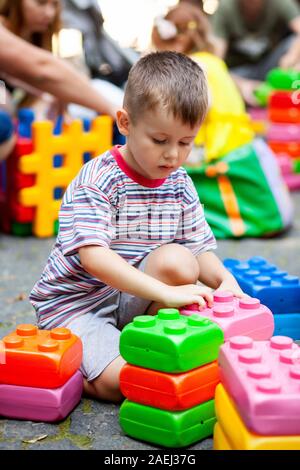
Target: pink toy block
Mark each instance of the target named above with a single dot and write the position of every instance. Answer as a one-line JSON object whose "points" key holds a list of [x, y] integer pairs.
{"points": [[41, 404], [258, 114], [284, 132], [237, 316], [291, 179], [263, 378]]}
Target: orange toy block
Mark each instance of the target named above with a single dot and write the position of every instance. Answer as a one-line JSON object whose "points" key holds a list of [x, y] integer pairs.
{"points": [[169, 391], [39, 358]]}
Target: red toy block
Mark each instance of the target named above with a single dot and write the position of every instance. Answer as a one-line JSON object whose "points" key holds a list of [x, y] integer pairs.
{"points": [[169, 391]]}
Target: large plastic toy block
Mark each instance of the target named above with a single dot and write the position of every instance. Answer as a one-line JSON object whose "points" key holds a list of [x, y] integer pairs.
{"points": [[72, 144], [291, 179], [263, 93], [169, 391], [230, 432], [283, 132], [283, 79], [40, 358], [273, 287], [41, 404], [296, 165], [287, 148], [237, 316], [284, 115], [283, 100], [167, 428], [25, 120], [263, 378], [170, 342], [287, 324]]}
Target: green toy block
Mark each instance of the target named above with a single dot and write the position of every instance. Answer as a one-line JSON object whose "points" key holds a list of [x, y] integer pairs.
{"points": [[20, 229], [262, 93], [170, 342], [296, 165], [283, 79], [168, 428], [56, 227]]}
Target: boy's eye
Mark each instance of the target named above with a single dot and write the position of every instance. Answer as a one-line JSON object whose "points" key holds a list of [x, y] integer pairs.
{"points": [[185, 143], [157, 141]]}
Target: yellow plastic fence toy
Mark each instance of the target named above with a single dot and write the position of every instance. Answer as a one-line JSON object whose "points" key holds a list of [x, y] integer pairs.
{"points": [[72, 144]]}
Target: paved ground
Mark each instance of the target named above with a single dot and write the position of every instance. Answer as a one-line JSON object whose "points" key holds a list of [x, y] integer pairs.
{"points": [[94, 425]]}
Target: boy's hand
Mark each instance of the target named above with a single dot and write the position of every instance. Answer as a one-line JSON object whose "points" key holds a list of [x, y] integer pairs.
{"points": [[178, 296], [231, 285]]}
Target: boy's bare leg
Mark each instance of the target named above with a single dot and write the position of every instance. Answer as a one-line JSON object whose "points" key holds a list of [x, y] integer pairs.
{"points": [[173, 264], [107, 385]]}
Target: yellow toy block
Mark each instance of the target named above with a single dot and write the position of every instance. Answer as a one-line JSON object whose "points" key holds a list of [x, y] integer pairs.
{"points": [[227, 125], [230, 433], [72, 144]]}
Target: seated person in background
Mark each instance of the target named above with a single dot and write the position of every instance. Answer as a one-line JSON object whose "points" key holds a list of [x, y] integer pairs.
{"points": [[34, 21], [254, 36], [34, 69], [186, 29], [103, 59]]}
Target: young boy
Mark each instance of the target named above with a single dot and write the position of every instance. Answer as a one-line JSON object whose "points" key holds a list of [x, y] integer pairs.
{"points": [[133, 236]]}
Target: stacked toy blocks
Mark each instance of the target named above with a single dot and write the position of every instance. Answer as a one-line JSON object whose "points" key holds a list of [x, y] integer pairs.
{"points": [[284, 130], [274, 288], [39, 373], [170, 378], [234, 316], [41, 168], [258, 400]]}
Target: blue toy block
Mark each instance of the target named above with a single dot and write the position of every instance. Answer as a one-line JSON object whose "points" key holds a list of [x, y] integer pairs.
{"points": [[25, 118], [274, 288], [287, 324]]}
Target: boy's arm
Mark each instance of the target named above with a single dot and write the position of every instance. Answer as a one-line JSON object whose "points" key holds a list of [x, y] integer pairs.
{"points": [[215, 275], [107, 266]]}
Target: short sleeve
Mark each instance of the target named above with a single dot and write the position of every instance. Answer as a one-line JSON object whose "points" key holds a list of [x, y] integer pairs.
{"points": [[219, 22], [85, 220], [193, 230]]}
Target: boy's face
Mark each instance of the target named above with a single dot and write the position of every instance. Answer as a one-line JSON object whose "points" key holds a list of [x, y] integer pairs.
{"points": [[157, 144]]}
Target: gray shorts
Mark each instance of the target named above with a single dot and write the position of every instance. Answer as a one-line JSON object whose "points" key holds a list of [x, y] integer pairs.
{"points": [[100, 329]]}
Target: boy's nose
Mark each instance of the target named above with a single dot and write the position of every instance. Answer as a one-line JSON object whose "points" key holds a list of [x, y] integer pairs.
{"points": [[171, 154]]}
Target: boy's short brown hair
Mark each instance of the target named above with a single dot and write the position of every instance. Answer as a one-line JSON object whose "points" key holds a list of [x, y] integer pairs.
{"points": [[171, 80]]}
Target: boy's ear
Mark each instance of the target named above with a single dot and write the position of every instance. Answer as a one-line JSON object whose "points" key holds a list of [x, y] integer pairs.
{"points": [[123, 121]]}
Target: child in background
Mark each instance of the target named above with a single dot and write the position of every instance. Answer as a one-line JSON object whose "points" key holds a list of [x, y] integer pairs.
{"points": [[132, 236], [186, 29]]}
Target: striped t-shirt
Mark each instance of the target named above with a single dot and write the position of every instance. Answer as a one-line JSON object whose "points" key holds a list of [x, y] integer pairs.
{"points": [[110, 205]]}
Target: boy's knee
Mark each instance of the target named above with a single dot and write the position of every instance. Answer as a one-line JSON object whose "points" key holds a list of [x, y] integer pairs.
{"points": [[177, 265], [107, 385], [103, 389]]}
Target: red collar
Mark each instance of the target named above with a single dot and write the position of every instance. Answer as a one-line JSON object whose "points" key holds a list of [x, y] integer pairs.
{"points": [[132, 174]]}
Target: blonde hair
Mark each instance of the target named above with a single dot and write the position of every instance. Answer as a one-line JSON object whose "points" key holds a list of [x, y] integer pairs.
{"points": [[168, 79], [190, 21], [12, 11]]}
